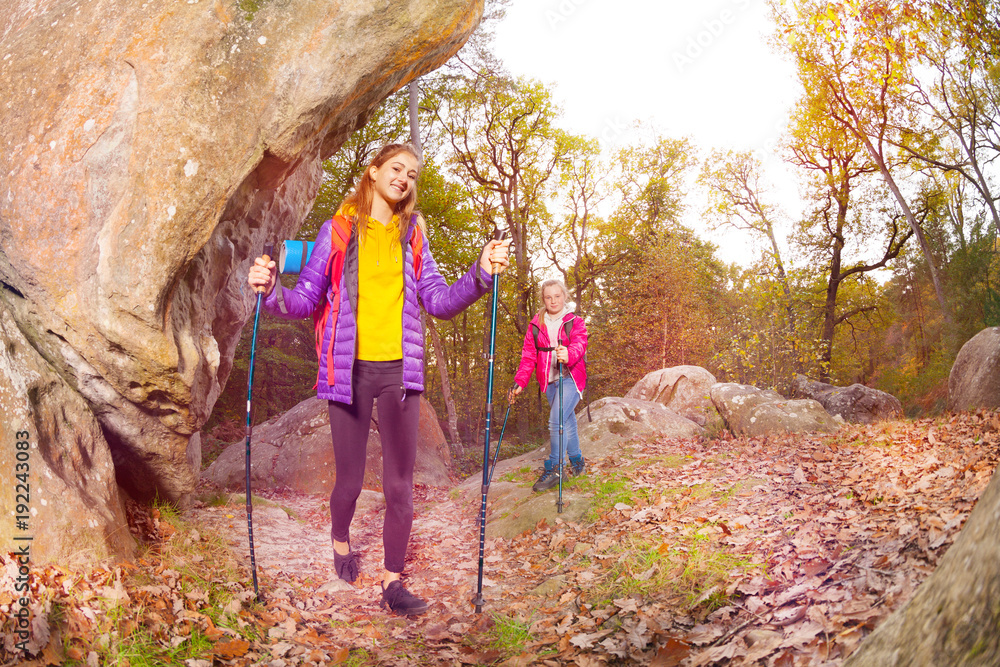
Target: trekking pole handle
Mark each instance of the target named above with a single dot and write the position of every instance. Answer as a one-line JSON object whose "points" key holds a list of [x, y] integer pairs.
{"points": [[268, 251], [498, 235]]}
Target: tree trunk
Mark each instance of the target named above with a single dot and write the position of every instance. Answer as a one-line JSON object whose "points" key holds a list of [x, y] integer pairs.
{"points": [[829, 327], [914, 225], [449, 402], [842, 197], [414, 119], [791, 328], [953, 619]]}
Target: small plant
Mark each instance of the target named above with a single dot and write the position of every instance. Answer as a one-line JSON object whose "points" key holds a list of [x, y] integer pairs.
{"points": [[240, 500], [513, 476], [510, 635], [691, 565], [702, 491], [215, 499], [609, 491]]}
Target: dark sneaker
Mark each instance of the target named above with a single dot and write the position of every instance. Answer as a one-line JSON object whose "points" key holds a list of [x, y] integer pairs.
{"points": [[400, 601], [548, 479], [576, 468], [346, 565]]}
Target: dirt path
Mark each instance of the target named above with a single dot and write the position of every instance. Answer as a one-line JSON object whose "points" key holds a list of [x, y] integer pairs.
{"points": [[294, 556]]}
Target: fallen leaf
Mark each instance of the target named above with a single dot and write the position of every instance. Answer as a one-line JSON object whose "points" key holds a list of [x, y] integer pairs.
{"points": [[231, 649]]}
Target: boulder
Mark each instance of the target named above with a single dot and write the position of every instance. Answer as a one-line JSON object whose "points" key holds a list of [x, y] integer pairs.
{"points": [[67, 501], [683, 389], [974, 381], [293, 451], [751, 412], [617, 423], [618, 420], [149, 150], [857, 403]]}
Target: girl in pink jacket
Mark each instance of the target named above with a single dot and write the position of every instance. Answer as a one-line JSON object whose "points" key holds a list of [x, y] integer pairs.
{"points": [[556, 336]]}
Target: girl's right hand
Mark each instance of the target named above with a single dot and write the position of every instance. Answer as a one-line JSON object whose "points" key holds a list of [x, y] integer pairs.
{"points": [[263, 275], [514, 391]]}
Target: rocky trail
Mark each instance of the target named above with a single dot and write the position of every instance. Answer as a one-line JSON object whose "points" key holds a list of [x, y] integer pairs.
{"points": [[783, 550]]}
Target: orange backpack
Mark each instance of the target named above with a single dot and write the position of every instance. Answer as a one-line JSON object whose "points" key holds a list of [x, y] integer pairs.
{"points": [[340, 234]]}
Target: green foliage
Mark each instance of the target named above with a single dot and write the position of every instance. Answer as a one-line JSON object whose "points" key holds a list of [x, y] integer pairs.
{"points": [[510, 635], [690, 564], [659, 311], [608, 491]]}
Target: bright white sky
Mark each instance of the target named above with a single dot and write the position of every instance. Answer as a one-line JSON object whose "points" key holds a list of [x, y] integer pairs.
{"points": [[701, 70]]}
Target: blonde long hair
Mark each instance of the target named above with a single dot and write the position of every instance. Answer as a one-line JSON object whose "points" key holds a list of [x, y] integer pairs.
{"points": [[359, 201]]}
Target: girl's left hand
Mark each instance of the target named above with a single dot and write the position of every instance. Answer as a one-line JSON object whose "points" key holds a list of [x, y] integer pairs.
{"points": [[495, 254]]}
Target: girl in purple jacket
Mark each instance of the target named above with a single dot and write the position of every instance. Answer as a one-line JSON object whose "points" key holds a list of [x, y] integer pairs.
{"points": [[370, 343]]}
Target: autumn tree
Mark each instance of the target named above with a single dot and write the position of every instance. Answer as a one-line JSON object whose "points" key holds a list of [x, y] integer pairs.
{"points": [[504, 146], [738, 199], [953, 126], [852, 59], [750, 329], [847, 209], [653, 305], [951, 619], [569, 243]]}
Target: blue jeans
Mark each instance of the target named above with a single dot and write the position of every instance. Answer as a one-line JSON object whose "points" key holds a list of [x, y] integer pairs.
{"points": [[570, 439]]}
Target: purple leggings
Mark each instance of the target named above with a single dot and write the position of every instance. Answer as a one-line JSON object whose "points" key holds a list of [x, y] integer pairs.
{"points": [[398, 416]]}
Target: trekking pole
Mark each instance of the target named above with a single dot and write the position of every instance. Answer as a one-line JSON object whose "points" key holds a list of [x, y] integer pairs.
{"points": [[559, 502], [498, 235], [268, 251]]}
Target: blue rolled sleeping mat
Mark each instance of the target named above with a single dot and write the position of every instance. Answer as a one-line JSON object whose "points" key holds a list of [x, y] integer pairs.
{"points": [[293, 255]]}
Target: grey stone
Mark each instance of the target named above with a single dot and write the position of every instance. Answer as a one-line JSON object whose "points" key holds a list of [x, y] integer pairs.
{"points": [[974, 381], [751, 412], [549, 587], [683, 389], [856, 403], [620, 419]]}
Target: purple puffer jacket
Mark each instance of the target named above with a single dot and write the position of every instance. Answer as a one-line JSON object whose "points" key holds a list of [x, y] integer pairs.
{"points": [[437, 297]]}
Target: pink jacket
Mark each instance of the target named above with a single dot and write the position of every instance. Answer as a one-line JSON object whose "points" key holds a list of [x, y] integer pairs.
{"points": [[541, 361]]}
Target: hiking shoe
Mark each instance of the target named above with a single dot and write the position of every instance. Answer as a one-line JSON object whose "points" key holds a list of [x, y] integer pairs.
{"points": [[548, 479], [400, 601], [576, 468], [346, 565]]}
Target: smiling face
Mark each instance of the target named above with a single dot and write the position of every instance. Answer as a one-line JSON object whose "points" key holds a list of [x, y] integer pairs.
{"points": [[395, 178], [554, 299]]}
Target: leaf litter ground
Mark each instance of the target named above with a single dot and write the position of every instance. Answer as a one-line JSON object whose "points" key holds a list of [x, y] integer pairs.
{"points": [[785, 550]]}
